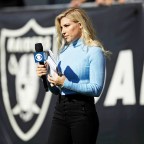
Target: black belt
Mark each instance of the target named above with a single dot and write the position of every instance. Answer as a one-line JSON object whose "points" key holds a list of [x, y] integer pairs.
{"points": [[78, 97]]}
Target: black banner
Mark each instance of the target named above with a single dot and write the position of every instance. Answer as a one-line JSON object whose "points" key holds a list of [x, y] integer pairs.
{"points": [[26, 110]]}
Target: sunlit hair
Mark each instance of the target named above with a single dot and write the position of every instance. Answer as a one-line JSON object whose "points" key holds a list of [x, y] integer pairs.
{"points": [[78, 15]]}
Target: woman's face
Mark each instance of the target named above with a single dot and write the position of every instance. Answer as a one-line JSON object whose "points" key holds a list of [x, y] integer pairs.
{"points": [[70, 30]]}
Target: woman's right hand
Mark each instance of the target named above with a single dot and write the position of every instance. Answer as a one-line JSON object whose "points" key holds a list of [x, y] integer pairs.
{"points": [[41, 69]]}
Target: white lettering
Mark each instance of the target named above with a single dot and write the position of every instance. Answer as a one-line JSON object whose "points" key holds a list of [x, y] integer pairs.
{"points": [[122, 83], [27, 44]]}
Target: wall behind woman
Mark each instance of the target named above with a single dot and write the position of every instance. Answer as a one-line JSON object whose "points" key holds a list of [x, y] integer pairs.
{"points": [[35, 2]]}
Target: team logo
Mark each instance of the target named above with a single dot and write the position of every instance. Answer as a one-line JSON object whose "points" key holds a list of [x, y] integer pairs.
{"points": [[24, 100]]}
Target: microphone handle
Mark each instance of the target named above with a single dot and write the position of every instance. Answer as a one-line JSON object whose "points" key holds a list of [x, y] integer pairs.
{"points": [[44, 79]]}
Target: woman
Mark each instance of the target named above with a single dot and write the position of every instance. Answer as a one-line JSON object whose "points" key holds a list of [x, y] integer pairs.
{"points": [[82, 64]]}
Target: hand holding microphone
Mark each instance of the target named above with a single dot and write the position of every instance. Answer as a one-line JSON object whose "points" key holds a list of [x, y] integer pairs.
{"points": [[41, 68], [46, 64]]}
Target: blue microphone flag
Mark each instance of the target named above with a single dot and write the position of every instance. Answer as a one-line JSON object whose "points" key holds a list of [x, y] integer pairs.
{"points": [[40, 57]]}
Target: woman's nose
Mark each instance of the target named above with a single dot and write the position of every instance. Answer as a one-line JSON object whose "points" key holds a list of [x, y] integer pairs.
{"points": [[63, 32]]}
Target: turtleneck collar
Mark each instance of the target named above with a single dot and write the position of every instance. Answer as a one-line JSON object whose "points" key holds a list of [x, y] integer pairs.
{"points": [[76, 43], [73, 44]]}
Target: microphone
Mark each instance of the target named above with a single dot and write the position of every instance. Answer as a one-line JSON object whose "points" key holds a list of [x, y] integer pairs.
{"points": [[39, 49]]}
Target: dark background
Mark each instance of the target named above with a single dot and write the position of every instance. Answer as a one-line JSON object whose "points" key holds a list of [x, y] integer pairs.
{"points": [[119, 27]]}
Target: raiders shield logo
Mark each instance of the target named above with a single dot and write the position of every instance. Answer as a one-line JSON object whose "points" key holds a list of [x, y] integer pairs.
{"points": [[23, 95]]}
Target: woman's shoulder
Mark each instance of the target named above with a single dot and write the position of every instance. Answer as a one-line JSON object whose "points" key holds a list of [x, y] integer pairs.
{"points": [[94, 52], [93, 49]]}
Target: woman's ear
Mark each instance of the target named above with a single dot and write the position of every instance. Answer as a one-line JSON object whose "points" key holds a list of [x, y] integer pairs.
{"points": [[80, 25]]}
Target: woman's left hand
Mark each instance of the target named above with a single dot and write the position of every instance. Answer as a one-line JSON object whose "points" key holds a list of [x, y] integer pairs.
{"points": [[56, 79]]}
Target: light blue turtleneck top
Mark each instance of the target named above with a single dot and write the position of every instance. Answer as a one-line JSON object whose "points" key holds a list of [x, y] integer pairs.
{"points": [[84, 68]]}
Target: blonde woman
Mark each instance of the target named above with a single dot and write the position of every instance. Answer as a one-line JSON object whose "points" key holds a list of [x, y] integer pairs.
{"points": [[82, 64]]}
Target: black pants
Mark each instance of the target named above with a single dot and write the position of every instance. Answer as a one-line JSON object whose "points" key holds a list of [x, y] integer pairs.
{"points": [[75, 121]]}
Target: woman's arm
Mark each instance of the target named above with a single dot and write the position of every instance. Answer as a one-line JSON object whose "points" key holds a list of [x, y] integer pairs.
{"points": [[96, 79]]}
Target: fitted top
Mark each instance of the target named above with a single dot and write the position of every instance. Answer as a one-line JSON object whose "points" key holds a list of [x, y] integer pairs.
{"points": [[84, 68]]}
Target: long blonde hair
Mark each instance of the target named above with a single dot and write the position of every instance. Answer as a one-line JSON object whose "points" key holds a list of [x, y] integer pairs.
{"points": [[88, 33]]}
